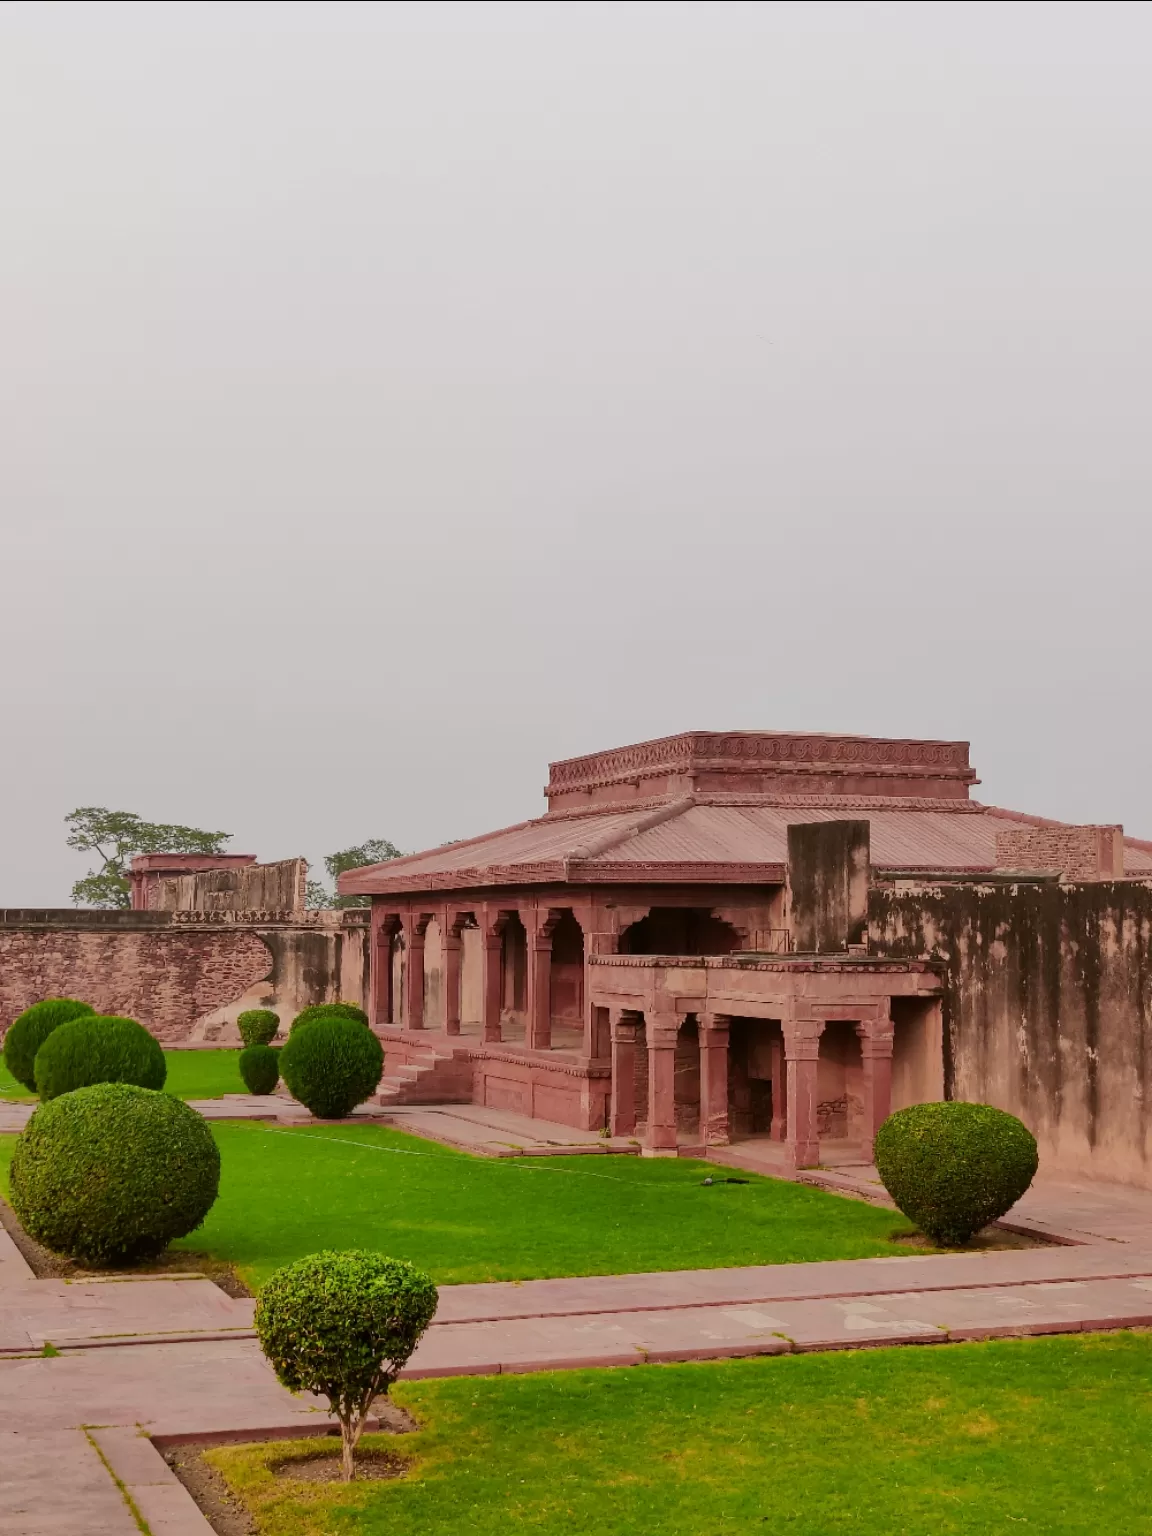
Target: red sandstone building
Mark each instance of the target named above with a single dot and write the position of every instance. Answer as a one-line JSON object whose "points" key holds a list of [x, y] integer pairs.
{"points": [[719, 936]]}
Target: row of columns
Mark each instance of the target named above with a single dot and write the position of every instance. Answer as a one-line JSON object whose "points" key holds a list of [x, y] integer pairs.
{"points": [[794, 1118], [539, 926]]}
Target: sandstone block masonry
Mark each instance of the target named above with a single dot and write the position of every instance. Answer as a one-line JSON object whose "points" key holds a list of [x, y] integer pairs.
{"points": [[185, 975]]}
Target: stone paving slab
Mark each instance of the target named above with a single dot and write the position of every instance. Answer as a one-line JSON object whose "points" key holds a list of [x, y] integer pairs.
{"points": [[163, 1501], [500, 1133], [780, 1326], [174, 1390], [53, 1483], [66, 1313], [510, 1300]]}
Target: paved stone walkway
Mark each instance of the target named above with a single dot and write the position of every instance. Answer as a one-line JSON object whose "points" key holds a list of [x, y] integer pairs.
{"points": [[147, 1361]]}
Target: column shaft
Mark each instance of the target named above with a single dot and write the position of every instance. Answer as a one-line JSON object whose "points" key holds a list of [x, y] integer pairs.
{"points": [[622, 1120], [539, 993], [802, 1051], [662, 1034], [491, 986], [452, 946], [414, 977], [714, 1080], [876, 1061]]}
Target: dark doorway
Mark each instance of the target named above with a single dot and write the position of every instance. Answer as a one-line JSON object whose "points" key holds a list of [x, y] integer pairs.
{"points": [[679, 931]]}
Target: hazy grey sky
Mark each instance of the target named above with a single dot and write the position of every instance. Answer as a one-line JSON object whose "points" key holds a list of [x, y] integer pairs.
{"points": [[395, 397]]}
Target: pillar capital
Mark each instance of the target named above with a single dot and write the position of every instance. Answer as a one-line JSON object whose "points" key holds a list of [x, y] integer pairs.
{"points": [[714, 1028]]}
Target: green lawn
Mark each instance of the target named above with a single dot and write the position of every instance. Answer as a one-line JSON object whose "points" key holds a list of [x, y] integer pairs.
{"points": [[285, 1193], [191, 1075], [1047, 1435]]}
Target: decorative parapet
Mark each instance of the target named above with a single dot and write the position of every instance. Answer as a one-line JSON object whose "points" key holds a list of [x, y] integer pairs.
{"points": [[697, 756]]}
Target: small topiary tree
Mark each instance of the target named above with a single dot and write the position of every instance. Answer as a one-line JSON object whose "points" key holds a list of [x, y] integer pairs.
{"points": [[29, 1031], [329, 1011], [953, 1168], [260, 1068], [258, 1026], [344, 1325], [98, 1048], [332, 1065], [113, 1173]]}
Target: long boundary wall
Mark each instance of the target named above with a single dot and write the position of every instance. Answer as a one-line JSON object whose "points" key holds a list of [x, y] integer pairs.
{"points": [[185, 975]]}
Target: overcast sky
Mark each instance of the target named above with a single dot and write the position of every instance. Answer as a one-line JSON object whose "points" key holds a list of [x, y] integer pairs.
{"points": [[393, 398]]}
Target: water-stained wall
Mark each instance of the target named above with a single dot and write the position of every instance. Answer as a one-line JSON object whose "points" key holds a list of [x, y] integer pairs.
{"points": [[1048, 1006]]}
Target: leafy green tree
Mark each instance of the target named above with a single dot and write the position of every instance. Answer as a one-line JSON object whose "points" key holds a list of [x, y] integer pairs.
{"points": [[377, 850], [116, 837]]}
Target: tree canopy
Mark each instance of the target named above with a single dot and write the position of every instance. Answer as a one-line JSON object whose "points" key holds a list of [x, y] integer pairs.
{"points": [[377, 850], [116, 837]]}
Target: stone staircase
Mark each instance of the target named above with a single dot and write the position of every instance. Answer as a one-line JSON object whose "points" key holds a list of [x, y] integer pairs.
{"points": [[428, 1076]]}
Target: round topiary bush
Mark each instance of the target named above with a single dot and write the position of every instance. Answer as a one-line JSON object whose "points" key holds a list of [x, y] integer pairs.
{"points": [[332, 1066], [344, 1325], [953, 1168], [113, 1173], [29, 1031], [258, 1026], [260, 1068], [98, 1048], [329, 1011]]}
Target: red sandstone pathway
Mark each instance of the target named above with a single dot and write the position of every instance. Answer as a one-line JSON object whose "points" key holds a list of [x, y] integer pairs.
{"points": [[156, 1359]]}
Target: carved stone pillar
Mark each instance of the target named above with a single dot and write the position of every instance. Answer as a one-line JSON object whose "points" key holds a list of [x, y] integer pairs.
{"points": [[625, 1029], [414, 928], [491, 980], [452, 945], [539, 1031], [662, 1030], [876, 1059], [802, 1056], [714, 1079], [779, 1090]]}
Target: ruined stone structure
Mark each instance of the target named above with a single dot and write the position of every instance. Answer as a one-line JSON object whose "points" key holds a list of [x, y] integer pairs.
{"points": [[719, 936], [206, 938]]}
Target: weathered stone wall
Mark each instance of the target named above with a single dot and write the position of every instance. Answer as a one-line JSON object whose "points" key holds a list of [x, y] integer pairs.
{"points": [[184, 975], [275, 887], [1048, 1007], [828, 884]]}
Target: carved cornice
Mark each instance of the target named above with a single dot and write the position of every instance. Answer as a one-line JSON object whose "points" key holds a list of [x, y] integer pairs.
{"points": [[861, 964]]}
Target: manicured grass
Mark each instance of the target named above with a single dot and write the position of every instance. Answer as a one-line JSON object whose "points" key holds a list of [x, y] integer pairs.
{"points": [[191, 1075], [203, 1074], [9, 1087], [1048, 1435], [286, 1193]]}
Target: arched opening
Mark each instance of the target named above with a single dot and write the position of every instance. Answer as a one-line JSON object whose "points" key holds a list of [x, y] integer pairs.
{"points": [[396, 962], [839, 1083], [679, 931], [756, 1089], [567, 974], [433, 976]]}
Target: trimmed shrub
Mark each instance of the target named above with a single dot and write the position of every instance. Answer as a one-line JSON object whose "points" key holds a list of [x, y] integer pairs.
{"points": [[98, 1048], [329, 1011], [260, 1068], [258, 1026], [332, 1065], [29, 1032], [953, 1168], [113, 1173], [344, 1325]]}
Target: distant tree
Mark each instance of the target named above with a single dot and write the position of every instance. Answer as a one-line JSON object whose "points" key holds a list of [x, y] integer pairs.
{"points": [[116, 837], [377, 850]]}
